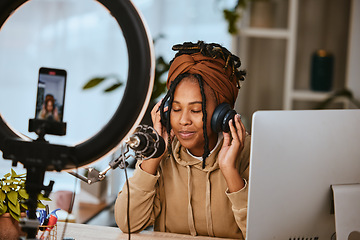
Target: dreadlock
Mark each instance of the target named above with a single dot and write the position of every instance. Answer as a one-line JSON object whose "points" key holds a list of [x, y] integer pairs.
{"points": [[213, 50]]}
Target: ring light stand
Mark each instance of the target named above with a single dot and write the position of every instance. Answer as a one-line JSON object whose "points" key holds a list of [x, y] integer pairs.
{"points": [[39, 156]]}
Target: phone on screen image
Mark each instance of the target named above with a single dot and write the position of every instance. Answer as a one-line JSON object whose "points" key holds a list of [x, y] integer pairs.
{"points": [[50, 94]]}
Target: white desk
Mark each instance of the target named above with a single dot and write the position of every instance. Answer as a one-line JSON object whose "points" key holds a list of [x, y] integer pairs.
{"points": [[89, 232]]}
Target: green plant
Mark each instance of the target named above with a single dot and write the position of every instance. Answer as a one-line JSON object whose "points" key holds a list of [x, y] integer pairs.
{"points": [[161, 67], [13, 195], [97, 80], [234, 14]]}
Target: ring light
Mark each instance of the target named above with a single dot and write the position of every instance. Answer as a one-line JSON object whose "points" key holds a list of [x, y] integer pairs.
{"points": [[133, 104]]}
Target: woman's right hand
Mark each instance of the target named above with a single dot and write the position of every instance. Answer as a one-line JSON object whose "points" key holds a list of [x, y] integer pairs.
{"points": [[155, 117], [151, 165]]}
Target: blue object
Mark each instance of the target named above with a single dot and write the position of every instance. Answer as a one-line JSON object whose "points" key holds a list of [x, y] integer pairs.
{"points": [[41, 215], [53, 213]]}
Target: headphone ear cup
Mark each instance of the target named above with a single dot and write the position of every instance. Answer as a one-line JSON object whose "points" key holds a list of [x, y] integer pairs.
{"points": [[223, 113], [228, 116], [164, 116]]}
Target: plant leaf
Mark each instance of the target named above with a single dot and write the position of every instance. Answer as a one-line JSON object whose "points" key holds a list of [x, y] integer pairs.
{"points": [[16, 217], [13, 197], [113, 87], [6, 188], [14, 208], [231, 16], [40, 205], [7, 175], [23, 193], [13, 173], [93, 82], [13, 181], [2, 196], [3, 209], [42, 197], [23, 205], [13, 186]]}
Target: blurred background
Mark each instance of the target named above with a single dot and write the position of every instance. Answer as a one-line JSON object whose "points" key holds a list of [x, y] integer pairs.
{"points": [[298, 55]]}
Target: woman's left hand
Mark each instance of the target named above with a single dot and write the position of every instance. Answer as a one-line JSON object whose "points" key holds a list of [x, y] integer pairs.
{"points": [[231, 148]]}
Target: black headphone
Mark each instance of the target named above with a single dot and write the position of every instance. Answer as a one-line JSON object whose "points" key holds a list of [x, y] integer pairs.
{"points": [[223, 113]]}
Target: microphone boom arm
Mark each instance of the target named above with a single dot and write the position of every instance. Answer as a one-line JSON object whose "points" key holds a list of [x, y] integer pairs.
{"points": [[143, 133], [96, 176]]}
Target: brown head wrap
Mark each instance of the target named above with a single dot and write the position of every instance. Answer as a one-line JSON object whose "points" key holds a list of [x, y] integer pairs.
{"points": [[213, 72]]}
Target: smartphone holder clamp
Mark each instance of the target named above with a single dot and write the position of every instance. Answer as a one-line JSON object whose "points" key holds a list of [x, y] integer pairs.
{"points": [[42, 127]]}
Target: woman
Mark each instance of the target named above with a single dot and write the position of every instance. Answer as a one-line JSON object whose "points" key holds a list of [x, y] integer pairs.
{"points": [[49, 110], [199, 186]]}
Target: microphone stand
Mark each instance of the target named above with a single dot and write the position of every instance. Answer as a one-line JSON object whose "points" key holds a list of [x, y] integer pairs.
{"points": [[133, 142], [153, 144]]}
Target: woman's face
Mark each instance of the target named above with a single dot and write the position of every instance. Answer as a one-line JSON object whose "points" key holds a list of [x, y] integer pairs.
{"points": [[186, 116], [49, 106]]}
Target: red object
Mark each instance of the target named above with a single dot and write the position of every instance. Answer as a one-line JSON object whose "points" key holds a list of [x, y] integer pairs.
{"points": [[52, 221], [50, 225]]}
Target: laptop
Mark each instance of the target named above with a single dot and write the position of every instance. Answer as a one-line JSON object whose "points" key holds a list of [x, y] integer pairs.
{"points": [[296, 156]]}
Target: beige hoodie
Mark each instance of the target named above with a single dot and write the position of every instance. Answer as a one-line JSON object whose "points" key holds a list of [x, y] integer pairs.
{"points": [[185, 198]]}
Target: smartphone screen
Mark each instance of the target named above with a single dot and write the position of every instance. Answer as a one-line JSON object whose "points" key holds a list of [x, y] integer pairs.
{"points": [[50, 94]]}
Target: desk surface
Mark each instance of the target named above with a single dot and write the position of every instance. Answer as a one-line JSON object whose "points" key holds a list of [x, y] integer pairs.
{"points": [[89, 232]]}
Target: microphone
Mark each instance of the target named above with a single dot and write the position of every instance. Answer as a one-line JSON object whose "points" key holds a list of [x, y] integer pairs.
{"points": [[146, 142]]}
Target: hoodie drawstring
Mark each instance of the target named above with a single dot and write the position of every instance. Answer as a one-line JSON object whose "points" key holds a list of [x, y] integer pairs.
{"points": [[190, 212], [208, 206], [191, 222]]}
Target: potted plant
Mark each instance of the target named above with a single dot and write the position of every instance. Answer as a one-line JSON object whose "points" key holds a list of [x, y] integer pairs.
{"points": [[12, 202], [261, 14], [233, 15]]}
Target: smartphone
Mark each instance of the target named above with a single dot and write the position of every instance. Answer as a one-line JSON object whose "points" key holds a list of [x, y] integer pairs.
{"points": [[50, 94]]}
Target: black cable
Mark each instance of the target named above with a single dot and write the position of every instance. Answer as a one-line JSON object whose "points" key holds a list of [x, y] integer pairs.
{"points": [[70, 208], [71, 203], [128, 201]]}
